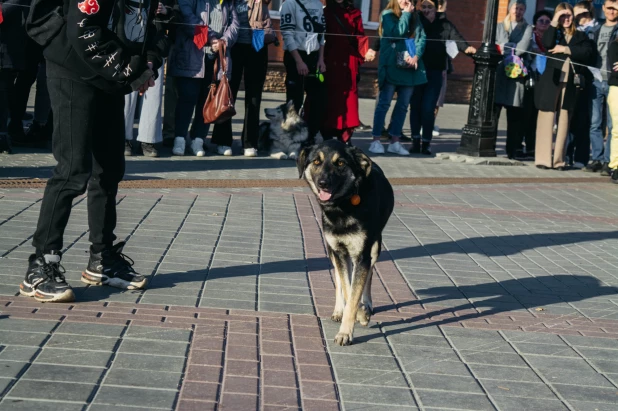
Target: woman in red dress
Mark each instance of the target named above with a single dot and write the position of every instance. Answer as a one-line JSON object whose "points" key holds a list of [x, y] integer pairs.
{"points": [[344, 52]]}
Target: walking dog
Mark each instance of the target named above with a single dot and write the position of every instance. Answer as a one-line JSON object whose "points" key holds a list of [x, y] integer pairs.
{"points": [[356, 201]]}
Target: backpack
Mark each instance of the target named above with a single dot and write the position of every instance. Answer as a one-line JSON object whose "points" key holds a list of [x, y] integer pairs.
{"points": [[45, 20]]}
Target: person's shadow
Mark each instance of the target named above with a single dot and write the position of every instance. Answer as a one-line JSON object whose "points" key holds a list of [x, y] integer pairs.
{"points": [[484, 299]]}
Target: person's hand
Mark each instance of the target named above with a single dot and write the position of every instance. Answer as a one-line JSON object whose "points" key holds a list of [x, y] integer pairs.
{"points": [[412, 62], [321, 66], [150, 83], [470, 50], [302, 68], [161, 9], [557, 16], [370, 55], [215, 45], [409, 7], [558, 49], [615, 66]]}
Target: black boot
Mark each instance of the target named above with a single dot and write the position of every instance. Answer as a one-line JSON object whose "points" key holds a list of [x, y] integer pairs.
{"points": [[37, 135], [425, 148], [605, 170], [5, 145], [416, 146], [17, 134], [45, 280], [111, 267]]}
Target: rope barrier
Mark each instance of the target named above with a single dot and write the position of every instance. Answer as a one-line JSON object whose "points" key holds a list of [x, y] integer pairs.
{"points": [[522, 51]]}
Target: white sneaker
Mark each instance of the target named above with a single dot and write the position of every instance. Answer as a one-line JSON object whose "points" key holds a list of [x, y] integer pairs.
{"points": [[250, 152], [224, 150], [397, 148], [197, 146], [376, 147], [179, 146], [436, 131]]}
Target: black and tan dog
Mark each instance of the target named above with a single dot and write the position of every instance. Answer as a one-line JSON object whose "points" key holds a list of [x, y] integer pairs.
{"points": [[357, 201]]}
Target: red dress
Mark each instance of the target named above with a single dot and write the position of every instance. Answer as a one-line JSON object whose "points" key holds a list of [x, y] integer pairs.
{"points": [[343, 56]]}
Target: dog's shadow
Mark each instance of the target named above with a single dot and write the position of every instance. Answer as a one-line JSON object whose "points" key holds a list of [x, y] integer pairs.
{"points": [[440, 302]]}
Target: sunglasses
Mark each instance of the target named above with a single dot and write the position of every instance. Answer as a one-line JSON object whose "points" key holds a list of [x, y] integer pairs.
{"points": [[543, 21]]}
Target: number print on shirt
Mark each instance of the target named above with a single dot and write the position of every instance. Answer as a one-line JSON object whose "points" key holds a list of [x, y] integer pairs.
{"points": [[89, 7]]}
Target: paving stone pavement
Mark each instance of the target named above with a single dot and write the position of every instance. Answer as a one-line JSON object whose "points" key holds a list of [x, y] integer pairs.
{"points": [[497, 297]]}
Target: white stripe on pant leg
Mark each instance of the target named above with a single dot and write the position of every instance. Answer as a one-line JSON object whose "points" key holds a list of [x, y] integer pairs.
{"points": [[151, 122]]}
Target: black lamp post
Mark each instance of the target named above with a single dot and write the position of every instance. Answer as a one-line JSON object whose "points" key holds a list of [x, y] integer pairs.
{"points": [[478, 137]]}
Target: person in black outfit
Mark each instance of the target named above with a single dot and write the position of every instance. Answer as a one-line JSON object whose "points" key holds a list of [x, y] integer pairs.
{"points": [[12, 61], [425, 97], [89, 70]]}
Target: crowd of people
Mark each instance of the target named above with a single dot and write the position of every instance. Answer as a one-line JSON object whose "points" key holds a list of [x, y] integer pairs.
{"points": [[324, 48], [570, 90]]}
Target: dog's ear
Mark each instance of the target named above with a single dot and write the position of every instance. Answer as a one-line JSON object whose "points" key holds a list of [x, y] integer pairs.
{"points": [[301, 161], [363, 161]]}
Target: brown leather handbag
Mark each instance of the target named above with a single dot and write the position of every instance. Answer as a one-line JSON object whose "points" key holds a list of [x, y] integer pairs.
{"points": [[219, 105]]}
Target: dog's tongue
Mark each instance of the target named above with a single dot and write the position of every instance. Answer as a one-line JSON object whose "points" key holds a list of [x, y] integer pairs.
{"points": [[324, 196]]}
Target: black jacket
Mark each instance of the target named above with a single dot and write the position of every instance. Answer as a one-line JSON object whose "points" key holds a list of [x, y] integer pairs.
{"points": [[583, 51], [13, 35], [438, 32], [86, 49]]}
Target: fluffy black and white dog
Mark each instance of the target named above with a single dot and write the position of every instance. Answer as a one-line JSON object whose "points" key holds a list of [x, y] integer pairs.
{"points": [[356, 201], [285, 134]]}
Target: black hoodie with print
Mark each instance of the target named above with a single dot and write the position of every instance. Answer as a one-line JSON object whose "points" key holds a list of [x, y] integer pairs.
{"points": [[108, 53]]}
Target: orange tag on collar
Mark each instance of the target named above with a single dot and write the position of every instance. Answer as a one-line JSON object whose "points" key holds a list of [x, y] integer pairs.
{"points": [[355, 199]]}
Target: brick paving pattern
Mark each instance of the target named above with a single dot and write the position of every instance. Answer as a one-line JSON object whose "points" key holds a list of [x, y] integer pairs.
{"points": [[487, 297], [498, 297]]}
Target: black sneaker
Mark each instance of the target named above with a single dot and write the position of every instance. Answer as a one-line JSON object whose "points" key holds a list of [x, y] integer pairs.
{"points": [[5, 146], [594, 166], [605, 170], [17, 134], [615, 176], [45, 280], [128, 148], [37, 135], [425, 148], [149, 150], [363, 127], [416, 146], [404, 137], [111, 267]]}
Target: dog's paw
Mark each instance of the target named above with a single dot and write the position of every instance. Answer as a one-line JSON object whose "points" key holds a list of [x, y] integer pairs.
{"points": [[293, 156], [343, 338], [337, 316], [363, 315]]}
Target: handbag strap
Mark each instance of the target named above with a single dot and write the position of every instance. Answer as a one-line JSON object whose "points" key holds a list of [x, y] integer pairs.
{"points": [[345, 31], [316, 29], [223, 62]]}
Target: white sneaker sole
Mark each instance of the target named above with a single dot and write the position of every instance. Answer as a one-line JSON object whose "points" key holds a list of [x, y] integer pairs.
{"points": [[65, 297], [97, 279]]}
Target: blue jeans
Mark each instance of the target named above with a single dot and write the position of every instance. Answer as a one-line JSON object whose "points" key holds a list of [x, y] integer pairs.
{"points": [[423, 105], [192, 93], [404, 93], [598, 105]]}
